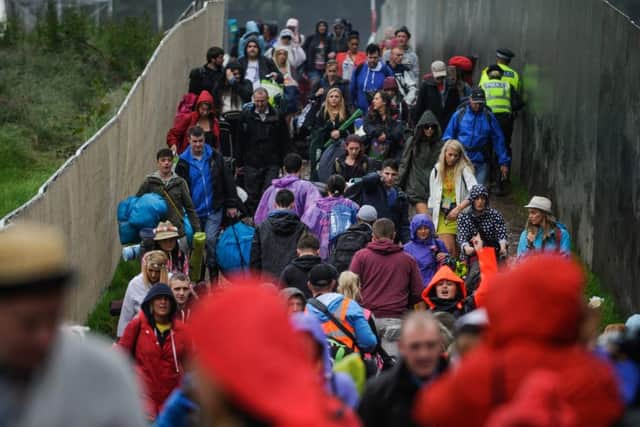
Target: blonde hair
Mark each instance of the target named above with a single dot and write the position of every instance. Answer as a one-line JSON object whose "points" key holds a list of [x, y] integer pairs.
{"points": [[332, 112], [548, 224], [157, 259], [274, 54], [463, 161], [349, 285]]}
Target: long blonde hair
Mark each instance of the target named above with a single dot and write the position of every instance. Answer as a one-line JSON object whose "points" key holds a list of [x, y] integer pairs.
{"points": [[349, 285], [287, 65], [548, 225], [339, 112], [156, 259], [463, 161]]}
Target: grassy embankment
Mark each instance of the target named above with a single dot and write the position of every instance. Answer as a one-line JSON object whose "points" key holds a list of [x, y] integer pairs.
{"points": [[59, 84]]}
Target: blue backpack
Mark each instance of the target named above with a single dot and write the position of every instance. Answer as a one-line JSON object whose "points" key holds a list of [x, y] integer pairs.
{"points": [[136, 213], [233, 249], [341, 218]]}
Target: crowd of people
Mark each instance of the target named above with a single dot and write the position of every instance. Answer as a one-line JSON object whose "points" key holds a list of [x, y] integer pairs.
{"points": [[373, 284]]}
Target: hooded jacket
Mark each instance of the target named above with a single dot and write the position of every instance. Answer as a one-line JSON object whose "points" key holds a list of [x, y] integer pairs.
{"points": [[443, 105], [475, 131], [252, 31], [178, 135], [282, 396], [317, 219], [458, 306], [178, 191], [296, 274], [337, 384], [489, 223], [211, 184], [365, 80], [425, 251], [529, 332], [159, 362], [389, 277], [275, 241], [306, 194], [418, 158], [265, 65]]}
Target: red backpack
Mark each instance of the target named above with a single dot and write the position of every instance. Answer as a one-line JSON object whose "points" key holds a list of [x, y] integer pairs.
{"points": [[185, 107]]}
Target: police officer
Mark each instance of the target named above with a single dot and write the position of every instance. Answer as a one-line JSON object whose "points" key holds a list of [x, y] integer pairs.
{"points": [[511, 76]]}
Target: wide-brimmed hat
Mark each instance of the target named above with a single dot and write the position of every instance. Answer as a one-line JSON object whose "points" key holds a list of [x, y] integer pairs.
{"points": [[166, 230], [33, 257], [540, 203]]}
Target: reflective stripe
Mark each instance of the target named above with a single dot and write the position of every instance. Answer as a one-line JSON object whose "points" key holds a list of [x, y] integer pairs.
{"points": [[332, 331], [498, 94]]}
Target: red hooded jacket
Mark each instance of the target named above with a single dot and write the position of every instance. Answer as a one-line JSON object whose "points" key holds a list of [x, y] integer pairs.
{"points": [[429, 293], [264, 368], [535, 313], [159, 369], [179, 136]]}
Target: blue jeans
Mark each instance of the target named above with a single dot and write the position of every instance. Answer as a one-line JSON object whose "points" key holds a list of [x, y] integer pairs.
{"points": [[482, 172], [211, 226]]}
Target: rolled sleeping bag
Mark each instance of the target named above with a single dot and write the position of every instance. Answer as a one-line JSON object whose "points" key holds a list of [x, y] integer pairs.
{"points": [[197, 256]]}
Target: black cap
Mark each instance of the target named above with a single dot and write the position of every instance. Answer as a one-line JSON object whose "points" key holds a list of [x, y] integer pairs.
{"points": [[477, 95], [322, 275], [505, 53]]}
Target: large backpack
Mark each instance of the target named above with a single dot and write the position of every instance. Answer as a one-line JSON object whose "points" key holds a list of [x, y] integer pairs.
{"points": [[327, 159], [345, 247], [233, 249], [341, 217], [185, 107]]}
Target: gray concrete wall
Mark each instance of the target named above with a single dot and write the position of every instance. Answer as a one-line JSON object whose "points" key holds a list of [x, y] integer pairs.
{"points": [[579, 138], [82, 196]]}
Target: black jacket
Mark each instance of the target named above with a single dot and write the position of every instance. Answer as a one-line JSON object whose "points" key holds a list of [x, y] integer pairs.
{"points": [[262, 143], [204, 78], [363, 166], [341, 84], [296, 274], [429, 98], [265, 65], [310, 45], [374, 194], [240, 90], [393, 130], [224, 186], [348, 243], [275, 241], [388, 399]]}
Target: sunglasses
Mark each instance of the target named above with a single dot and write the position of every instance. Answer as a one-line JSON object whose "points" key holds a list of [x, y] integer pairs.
{"points": [[434, 127]]}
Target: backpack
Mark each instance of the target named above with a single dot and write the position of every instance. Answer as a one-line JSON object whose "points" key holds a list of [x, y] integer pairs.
{"points": [[341, 217], [345, 247], [233, 249], [325, 164], [185, 107]]}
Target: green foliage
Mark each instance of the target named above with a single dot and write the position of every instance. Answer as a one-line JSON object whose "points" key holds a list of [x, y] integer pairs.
{"points": [[100, 319], [58, 86]]}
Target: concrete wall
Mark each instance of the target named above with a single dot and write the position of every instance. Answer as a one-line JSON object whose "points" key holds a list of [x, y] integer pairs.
{"points": [[579, 138], [82, 196]]}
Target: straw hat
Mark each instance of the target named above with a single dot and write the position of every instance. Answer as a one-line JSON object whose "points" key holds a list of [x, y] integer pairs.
{"points": [[166, 230], [33, 257], [540, 203]]}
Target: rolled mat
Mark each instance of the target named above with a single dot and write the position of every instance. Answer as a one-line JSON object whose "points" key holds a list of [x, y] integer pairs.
{"points": [[197, 256]]}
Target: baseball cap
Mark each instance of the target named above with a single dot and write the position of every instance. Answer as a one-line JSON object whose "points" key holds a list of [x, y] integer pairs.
{"points": [[322, 275], [477, 95], [438, 69]]}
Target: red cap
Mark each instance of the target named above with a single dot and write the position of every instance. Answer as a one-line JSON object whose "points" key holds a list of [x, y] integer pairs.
{"points": [[389, 83], [245, 343], [461, 62]]}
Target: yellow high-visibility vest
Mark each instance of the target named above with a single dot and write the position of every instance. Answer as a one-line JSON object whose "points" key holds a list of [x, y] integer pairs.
{"points": [[498, 94], [510, 76]]}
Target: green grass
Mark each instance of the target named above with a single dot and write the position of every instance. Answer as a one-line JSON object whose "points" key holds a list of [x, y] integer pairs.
{"points": [[609, 311], [100, 319]]}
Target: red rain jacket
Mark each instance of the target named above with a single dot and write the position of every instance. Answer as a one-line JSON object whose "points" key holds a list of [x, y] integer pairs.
{"points": [[179, 136], [534, 313], [158, 370]]}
